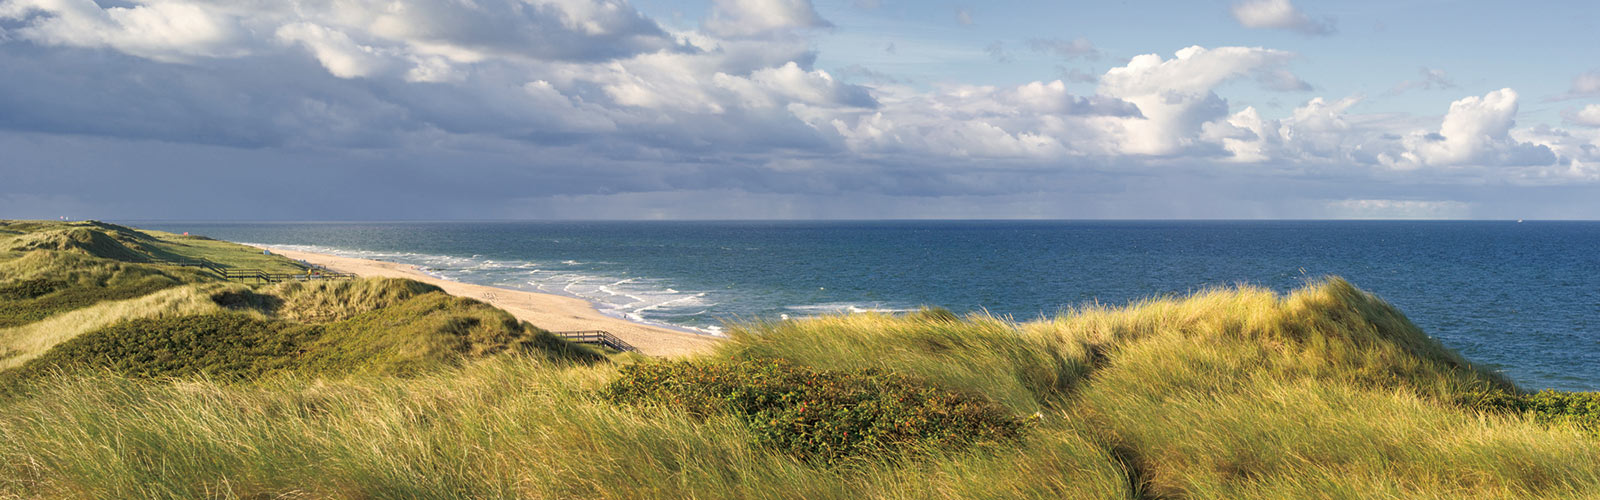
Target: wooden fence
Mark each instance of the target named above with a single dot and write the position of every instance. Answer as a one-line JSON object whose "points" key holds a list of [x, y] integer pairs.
{"points": [[597, 337], [260, 276]]}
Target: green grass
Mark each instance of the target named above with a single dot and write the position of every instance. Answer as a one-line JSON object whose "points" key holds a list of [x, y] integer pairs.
{"points": [[19, 344], [75, 281], [1231, 393], [125, 244], [127, 379], [422, 333], [824, 417], [48, 268]]}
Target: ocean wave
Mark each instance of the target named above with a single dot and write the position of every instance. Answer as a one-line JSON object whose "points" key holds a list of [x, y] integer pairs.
{"points": [[639, 299], [848, 307]]}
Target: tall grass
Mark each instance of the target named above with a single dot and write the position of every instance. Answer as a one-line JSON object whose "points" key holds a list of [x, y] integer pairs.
{"points": [[74, 281], [1327, 392], [505, 428], [22, 343]]}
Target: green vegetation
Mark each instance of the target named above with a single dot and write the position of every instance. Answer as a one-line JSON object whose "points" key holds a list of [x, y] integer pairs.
{"points": [[44, 283], [393, 389], [1571, 409], [822, 416]]}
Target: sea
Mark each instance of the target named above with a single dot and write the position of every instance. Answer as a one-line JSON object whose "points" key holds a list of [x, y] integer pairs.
{"points": [[1519, 297]]}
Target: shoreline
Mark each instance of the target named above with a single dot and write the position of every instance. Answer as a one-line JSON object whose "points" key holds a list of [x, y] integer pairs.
{"points": [[548, 311]]}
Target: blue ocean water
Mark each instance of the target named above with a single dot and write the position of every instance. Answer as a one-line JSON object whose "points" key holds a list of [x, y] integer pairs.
{"points": [[1520, 297]]}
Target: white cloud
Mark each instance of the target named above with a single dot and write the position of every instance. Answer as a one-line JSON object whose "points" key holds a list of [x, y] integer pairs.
{"points": [[1398, 209], [462, 32], [342, 56], [1175, 95], [1586, 84], [750, 18], [1476, 131], [592, 95], [772, 87], [1587, 116], [963, 16], [1278, 14], [171, 31]]}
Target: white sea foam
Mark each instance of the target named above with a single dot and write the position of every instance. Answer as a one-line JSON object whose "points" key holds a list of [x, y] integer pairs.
{"points": [[847, 307], [643, 300]]}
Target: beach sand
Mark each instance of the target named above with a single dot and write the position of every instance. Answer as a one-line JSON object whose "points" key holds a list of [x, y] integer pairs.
{"points": [[550, 312]]}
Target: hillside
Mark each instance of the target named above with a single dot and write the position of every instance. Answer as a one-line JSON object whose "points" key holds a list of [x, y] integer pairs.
{"points": [[392, 389], [93, 296]]}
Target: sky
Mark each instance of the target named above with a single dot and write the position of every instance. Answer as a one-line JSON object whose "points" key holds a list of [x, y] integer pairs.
{"points": [[798, 109]]}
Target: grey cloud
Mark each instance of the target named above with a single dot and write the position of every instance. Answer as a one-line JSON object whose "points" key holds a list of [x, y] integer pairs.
{"points": [[1065, 49], [1280, 14], [997, 51]]}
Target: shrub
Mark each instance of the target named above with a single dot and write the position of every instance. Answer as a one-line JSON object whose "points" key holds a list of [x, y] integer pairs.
{"points": [[1577, 409], [822, 416], [27, 289], [226, 346]]}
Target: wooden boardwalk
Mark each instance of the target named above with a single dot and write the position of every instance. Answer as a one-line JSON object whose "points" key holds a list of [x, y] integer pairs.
{"points": [[597, 337]]}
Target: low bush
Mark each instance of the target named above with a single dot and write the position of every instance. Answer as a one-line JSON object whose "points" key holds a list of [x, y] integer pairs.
{"points": [[224, 346], [27, 289], [822, 416], [1552, 407]]}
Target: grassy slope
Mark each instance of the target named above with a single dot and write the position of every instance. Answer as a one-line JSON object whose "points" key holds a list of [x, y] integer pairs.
{"points": [[1239, 393], [81, 264]]}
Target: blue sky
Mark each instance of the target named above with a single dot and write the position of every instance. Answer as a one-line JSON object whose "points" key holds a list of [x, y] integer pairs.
{"points": [[515, 109]]}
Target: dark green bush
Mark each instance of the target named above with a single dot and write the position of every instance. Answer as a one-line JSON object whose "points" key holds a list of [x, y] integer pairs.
{"points": [[224, 346], [1578, 409], [822, 416], [27, 289]]}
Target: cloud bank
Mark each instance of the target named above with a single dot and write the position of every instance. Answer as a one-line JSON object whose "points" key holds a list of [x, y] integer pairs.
{"points": [[507, 104]]}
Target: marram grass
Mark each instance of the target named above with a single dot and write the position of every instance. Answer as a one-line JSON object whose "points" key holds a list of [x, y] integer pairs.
{"points": [[1230, 393]]}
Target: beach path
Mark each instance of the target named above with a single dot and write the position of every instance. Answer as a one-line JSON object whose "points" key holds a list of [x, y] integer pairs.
{"points": [[547, 311]]}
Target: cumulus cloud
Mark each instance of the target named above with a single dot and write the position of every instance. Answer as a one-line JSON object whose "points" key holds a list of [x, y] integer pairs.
{"points": [[591, 98], [1319, 130], [751, 18], [1587, 116], [1476, 131], [422, 31], [1176, 95], [1584, 85], [1279, 14], [165, 31]]}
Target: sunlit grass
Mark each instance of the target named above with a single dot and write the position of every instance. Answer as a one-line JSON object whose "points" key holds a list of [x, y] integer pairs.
{"points": [[394, 389]]}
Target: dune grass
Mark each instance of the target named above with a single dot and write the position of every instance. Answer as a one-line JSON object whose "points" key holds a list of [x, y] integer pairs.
{"points": [[48, 267], [420, 333], [504, 428], [125, 244], [1327, 392], [71, 281], [128, 379], [19, 344]]}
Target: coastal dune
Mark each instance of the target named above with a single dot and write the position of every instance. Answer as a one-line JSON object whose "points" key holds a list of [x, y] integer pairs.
{"points": [[550, 312]]}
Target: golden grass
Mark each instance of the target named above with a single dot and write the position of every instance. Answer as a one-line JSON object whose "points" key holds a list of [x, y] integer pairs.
{"points": [[22, 343], [1327, 392]]}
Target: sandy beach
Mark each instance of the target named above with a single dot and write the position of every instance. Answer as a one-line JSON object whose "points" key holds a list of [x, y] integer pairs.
{"points": [[550, 312]]}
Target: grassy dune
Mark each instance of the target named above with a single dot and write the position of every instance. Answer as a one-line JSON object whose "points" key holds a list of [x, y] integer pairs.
{"points": [[391, 389]]}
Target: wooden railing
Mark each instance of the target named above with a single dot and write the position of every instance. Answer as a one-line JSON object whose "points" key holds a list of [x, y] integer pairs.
{"points": [[597, 337], [228, 273]]}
